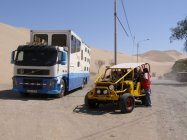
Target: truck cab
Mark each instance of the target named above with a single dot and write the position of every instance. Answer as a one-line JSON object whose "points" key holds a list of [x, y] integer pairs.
{"points": [[38, 68]]}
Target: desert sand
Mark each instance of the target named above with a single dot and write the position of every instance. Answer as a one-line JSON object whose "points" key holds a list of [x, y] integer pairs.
{"points": [[10, 37]]}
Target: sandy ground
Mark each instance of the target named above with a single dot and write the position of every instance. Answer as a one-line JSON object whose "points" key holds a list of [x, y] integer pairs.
{"points": [[46, 118]]}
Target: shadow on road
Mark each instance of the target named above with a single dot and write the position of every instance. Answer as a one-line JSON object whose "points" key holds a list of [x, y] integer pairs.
{"points": [[101, 110], [8, 95]]}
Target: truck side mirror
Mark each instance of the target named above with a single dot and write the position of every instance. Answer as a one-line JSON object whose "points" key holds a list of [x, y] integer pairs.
{"points": [[59, 57], [12, 57], [64, 58]]}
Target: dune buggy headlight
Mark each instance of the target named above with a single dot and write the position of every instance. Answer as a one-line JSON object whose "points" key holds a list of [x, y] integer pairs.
{"points": [[111, 87], [98, 91], [105, 92]]}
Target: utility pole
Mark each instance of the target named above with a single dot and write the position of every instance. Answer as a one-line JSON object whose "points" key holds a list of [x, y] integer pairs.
{"points": [[115, 33]]}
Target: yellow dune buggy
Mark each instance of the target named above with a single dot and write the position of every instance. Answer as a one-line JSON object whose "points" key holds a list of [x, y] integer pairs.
{"points": [[119, 84]]}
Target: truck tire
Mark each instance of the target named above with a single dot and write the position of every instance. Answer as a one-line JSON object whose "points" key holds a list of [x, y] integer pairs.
{"points": [[83, 84], [91, 104], [62, 91], [126, 103]]}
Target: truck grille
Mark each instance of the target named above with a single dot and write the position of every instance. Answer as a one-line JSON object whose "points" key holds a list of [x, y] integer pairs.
{"points": [[33, 84], [33, 72]]}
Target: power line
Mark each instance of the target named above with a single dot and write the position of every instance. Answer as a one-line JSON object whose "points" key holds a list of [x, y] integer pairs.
{"points": [[122, 26], [127, 19]]}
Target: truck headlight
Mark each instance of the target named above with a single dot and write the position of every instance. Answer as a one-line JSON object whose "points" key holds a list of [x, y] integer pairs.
{"points": [[52, 84], [105, 92], [98, 91], [111, 87]]}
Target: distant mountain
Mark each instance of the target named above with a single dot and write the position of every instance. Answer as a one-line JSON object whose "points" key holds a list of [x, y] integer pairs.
{"points": [[163, 56], [175, 54]]}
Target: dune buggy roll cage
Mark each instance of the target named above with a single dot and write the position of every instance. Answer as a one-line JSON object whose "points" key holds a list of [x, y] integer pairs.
{"points": [[125, 66]]}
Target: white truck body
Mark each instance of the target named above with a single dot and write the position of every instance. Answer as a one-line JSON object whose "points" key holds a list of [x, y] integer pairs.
{"points": [[32, 71]]}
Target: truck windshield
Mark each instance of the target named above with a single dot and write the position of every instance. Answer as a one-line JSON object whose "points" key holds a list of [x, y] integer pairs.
{"points": [[36, 58]]}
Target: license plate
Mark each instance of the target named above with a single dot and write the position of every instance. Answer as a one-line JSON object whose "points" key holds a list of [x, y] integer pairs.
{"points": [[32, 91]]}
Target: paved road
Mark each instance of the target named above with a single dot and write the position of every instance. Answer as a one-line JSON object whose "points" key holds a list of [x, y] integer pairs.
{"points": [[47, 118]]}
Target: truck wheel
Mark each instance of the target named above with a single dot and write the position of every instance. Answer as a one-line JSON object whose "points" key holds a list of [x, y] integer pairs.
{"points": [[62, 91], [83, 84], [126, 103], [90, 103]]}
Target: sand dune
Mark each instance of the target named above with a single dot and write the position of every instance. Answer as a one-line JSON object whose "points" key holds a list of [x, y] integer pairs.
{"points": [[107, 56], [11, 37], [158, 67], [163, 56], [175, 54]]}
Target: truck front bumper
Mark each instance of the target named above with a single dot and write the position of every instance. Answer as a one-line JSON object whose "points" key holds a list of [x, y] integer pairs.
{"points": [[36, 85], [15, 90]]}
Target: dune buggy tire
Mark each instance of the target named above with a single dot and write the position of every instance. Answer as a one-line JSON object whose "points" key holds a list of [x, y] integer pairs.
{"points": [[91, 104], [126, 103]]}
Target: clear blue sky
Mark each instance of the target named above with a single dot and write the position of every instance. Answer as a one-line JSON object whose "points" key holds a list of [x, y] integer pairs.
{"points": [[92, 20]]}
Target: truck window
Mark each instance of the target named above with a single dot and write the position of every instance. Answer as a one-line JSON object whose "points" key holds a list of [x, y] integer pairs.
{"points": [[41, 39], [59, 40], [82, 55], [36, 58], [78, 45], [20, 56], [75, 45]]}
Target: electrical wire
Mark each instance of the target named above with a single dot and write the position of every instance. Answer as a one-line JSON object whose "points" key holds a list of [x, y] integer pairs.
{"points": [[127, 19], [132, 36], [122, 26]]}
